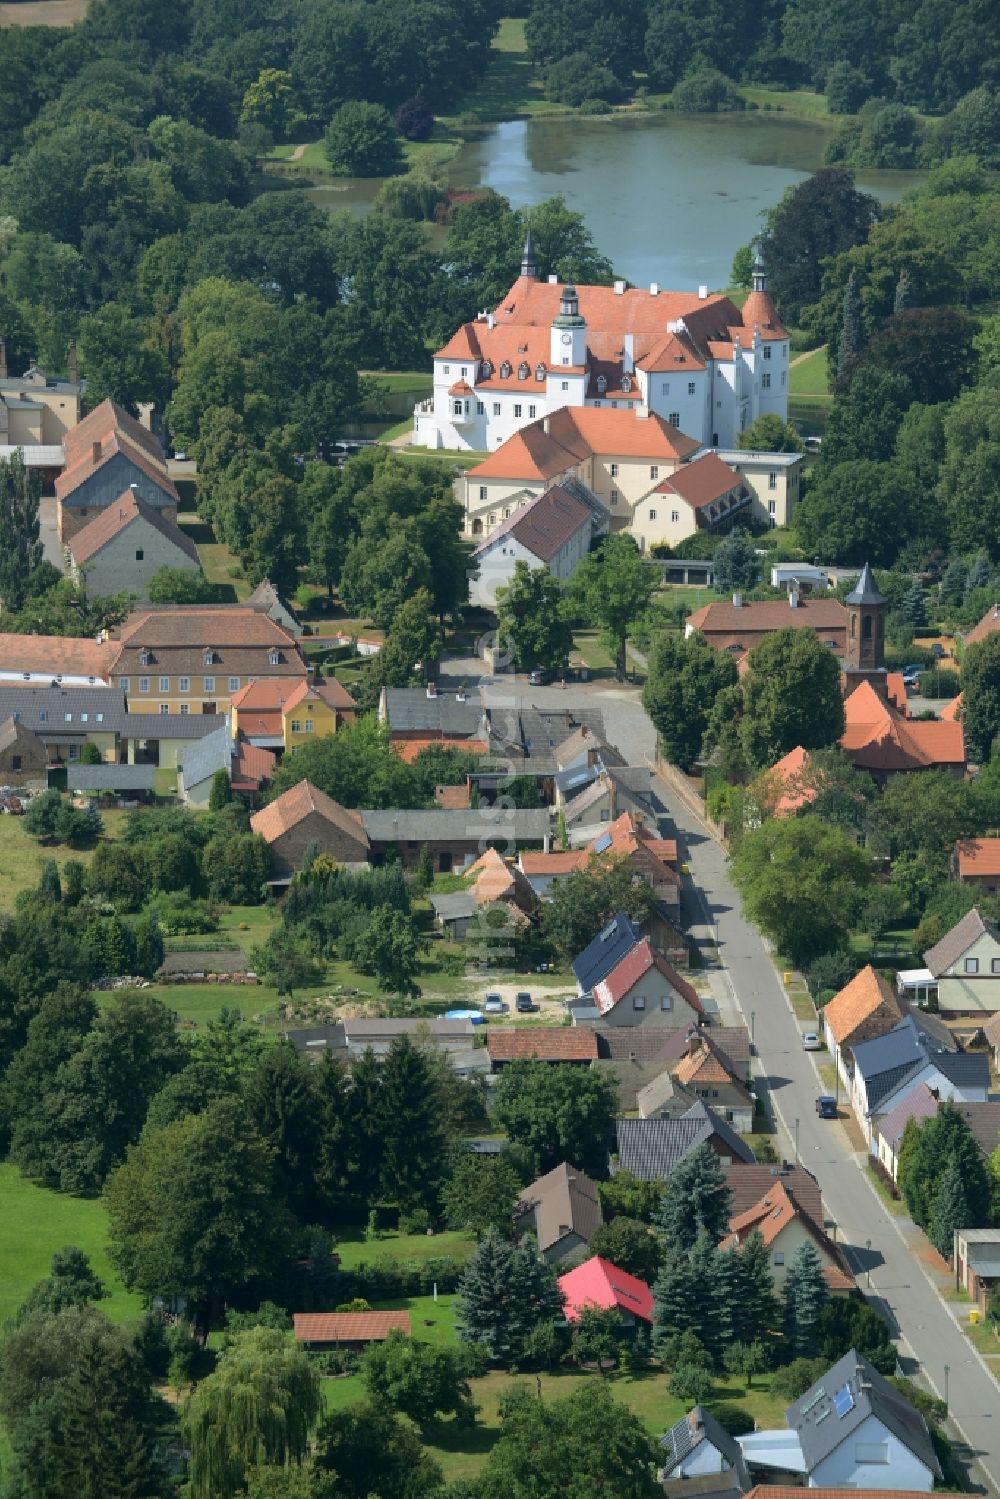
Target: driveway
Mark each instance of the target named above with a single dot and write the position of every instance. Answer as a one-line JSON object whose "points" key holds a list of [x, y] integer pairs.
{"points": [[891, 1275]]}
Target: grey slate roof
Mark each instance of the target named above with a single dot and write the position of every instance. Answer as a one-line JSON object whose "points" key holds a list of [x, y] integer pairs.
{"points": [[887, 1061], [44, 710], [954, 943], [111, 777], [983, 1120], [315, 1039], [865, 590], [821, 1428], [699, 1425], [410, 710], [455, 906], [652, 1148], [605, 952], [170, 725], [456, 825], [531, 737], [202, 760], [964, 1069], [900, 1047]]}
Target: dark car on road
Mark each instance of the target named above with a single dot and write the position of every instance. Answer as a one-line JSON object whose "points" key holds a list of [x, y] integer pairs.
{"points": [[826, 1106], [524, 1004], [540, 677]]}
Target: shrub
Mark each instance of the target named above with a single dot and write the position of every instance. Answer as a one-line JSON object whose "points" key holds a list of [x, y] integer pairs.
{"points": [[939, 683], [706, 92], [595, 107], [691, 1384], [414, 119], [577, 78], [418, 1221], [735, 1419], [361, 141]]}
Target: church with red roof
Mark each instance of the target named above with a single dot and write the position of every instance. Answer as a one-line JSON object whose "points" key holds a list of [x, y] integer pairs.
{"points": [[704, 366]]}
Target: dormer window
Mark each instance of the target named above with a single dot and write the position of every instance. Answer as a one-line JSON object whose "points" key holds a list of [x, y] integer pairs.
{"points": [[539, 372], [485, 369], [275, 658], [144, 658], [522, 370], [602, 385], [505, 370], [208, 657], [626, 383]]}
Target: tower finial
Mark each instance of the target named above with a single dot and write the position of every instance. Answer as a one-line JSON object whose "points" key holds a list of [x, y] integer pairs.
{"points": [[759, 271], [529, 265]]}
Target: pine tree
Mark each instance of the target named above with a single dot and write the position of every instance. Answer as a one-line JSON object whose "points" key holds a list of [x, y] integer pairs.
{"points": [[757, 1310], [951, 589], [979, 575], [852, 333], [950, 1209], [724, 1281], [806, 1294], [20, 490], [697, 1200], [904, 292], [505, 1292], [50, 884], [915, 605], [119, 949], [673, 1297], [413, 1133]]}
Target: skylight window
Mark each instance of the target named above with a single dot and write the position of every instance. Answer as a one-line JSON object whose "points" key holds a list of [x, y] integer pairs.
{"points": [[843, 1401], [603, 843]]}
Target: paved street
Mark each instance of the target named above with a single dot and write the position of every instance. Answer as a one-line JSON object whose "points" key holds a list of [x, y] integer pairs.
{"points": [[899, 1285]]}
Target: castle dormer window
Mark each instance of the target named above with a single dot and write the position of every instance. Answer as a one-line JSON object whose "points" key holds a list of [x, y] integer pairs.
{"points": [[275, 658], [208, 657], [144, 658], [602, 385], [522, 371], [626, 383], [485, 369], [505, 370], [539, 372]]}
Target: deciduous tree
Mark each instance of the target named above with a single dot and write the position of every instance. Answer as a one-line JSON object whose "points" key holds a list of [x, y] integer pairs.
{"points": [[614, 587], [557, 1113], [685, 677], [533, 628]]}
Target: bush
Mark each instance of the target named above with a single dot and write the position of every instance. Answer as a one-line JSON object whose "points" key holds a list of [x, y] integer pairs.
{"points": [[794, 1379], [361, 141], [939, 683], [846, 89], [681, 1350], [577, 78], [595, 107], [416, 1222], [414, 119], [180, 585], [706, 92], [182, 915], [735, 1419], [691, 1384]]}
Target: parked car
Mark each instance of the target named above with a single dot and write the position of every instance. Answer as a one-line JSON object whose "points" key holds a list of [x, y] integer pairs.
{"points": [[911, 676], [938, 651], [826, 1106], [524, 1004], [493, 1005], [540, 677], [811, 1041]]}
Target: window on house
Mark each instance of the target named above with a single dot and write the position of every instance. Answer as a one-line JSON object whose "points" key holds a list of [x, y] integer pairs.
{"points": [[652, 515], [779, 1257], [447, 369], [674, 418], [675, 515], [995, 965], [309, 725], [164, 684], [15, 763], [183, 684], [871, 1452], [144, 658], [532, 411], [143, 684], [84, 717], [666, 388], [208, 684], [184, 710], [456, 408], [614, 497], [465, 370], [517, 412], [67, 718], [614, 471], [767, 351], [772, 507], [123, 683], [765, 381], [691, 387], [783, 377], [275, 658], [480, 409], [654, 470], [164, 709], [296, 726], [639, 1002], [234, 684], [772, 481], [972, 965], [74, 752], [667, 1002], [139, 554], [496, 408]]}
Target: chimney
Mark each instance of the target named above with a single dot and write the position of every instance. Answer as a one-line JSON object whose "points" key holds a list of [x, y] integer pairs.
{"points": [[654, 288], [737, 601], [619, 288], [97, 453], [491, 321], [135, 490], [3, 359], [553, 280], [460, 696], [702, 293], [432, 689], [545, 425], [628, 354], [71, 362], [793, 598]]}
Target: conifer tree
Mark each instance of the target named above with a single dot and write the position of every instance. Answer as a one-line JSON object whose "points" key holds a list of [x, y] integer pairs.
{"points": [[726, 1282], [505, 1292], [979, 575], [904, 292], [412, 1127], [950, 1208], [50, 884], [806, 1294], [673, 1297], [697, 1200], [757, 1310], [915, 606], [852, 334]]}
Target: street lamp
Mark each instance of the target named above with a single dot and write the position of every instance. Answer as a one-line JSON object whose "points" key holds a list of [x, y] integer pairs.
{"points": [[753, 1022], [947, 1371], [796, 1142], [868, 1262]]}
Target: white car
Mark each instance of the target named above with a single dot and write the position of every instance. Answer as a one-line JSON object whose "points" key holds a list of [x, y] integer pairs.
{"points": [[811, 1042], [493, 1005]]}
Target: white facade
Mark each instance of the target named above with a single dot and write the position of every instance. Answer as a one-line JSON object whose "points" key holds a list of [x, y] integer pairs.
{"points": [[498, 561], [872, 1457]]}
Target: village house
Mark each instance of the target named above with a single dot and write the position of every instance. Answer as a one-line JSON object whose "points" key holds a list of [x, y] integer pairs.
{"points": [[784, 1228], [644, 989], [652, 1148], [890, 1066], [108, 453], [126, 544], [984, 627], [976, 861], [866, 1007], [418, 718], [36, 409], [697, 1445], [698, 361], [773, 479], [561, 1045], [738, 626], [64, 719], [554, 530], [304, 815], [455, 837], [280, 713], [24, 758], [249, 768], [493, 880], [965, 967], [917, 1103], [267, 600], [706, 1072], [616, 792], [55, 660], [351, 1038], [191, 658], [163, 739], [562, 1209], [598, 1283]]}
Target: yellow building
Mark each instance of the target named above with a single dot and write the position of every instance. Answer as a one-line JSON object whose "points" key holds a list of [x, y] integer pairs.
{"points": [[275, 713]]}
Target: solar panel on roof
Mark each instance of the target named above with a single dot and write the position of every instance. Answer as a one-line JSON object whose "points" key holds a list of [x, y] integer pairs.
{"points": [[843, 1401], [604, 842]]}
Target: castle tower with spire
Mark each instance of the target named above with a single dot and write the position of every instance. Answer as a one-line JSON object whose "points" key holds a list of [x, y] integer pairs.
{"points": [[529, 265], [864, 657]]}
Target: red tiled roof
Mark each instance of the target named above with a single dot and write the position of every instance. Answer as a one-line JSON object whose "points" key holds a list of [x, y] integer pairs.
{"points": [[289, 809], [760, 312], [634, 966], [116, 517], [254, 763], [702, 482], [978, 857], [407, 750], [953, 712], [785, 783], [772, 1214], [876, 738], [599, 1283], [105, 417], [989, 622], [559, 1043], [726, 618], [861, 999], [80, 461], [348, 1327], [56, 655], [578, 432], [558, 862]]}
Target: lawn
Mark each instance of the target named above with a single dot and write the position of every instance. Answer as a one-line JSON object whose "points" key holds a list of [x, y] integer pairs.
{"points": [[510, 87], [43, 13], [217, 561], [589, 648], [800, 102], [34, 1224], [403, 382], [354, 1249], [22, 857], [810, 375]]}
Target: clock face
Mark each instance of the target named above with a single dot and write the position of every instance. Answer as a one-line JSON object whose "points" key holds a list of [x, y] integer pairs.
{"points": [[567, 338]]}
